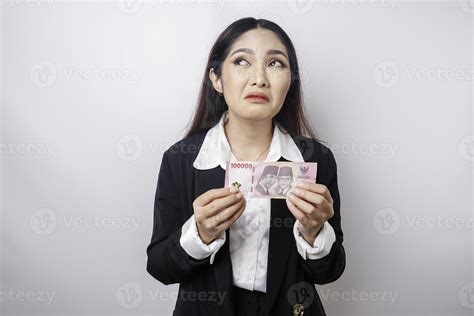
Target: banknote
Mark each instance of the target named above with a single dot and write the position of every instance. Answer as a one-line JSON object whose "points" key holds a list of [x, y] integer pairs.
{"points": [[273, 180]]}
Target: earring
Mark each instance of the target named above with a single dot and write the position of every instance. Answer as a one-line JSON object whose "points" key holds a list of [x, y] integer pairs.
{"points": [[220, 93]]}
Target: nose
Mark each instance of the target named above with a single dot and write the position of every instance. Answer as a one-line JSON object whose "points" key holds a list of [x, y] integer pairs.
{"points": [[259, 77]]}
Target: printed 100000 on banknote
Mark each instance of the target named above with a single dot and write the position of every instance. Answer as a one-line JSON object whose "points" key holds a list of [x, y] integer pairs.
{"points": [[268, 179]]}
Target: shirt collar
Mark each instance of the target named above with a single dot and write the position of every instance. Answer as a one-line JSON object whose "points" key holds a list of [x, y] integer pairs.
{"points": [[215, 149]]}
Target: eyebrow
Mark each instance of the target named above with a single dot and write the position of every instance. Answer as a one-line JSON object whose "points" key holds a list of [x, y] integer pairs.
{"points": [[269, 52]]}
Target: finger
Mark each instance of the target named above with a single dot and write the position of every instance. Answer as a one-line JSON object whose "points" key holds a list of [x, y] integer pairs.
{"points": [[226, 224], [310, 197], [218, 205], [301, 204], [316, 188], [207, 197], [228, 212], [300, 215]]}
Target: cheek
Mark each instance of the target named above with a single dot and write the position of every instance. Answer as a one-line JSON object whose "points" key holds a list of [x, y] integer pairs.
{"points": [[234, 83], [280, 83]]}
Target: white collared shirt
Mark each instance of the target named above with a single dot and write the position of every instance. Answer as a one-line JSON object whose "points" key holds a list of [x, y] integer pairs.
{"points": [[249, 235]]}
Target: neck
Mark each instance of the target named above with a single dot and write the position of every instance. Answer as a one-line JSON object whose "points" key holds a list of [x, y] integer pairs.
{"points": [[249, 138]]}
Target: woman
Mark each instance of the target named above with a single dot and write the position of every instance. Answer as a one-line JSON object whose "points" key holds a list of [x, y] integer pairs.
{"points": [[237, 256]]}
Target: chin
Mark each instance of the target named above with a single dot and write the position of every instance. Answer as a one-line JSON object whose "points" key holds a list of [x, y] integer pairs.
{"points": [[255, 111]]}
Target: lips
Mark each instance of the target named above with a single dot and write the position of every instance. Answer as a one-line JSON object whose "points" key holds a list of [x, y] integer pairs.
{"points": [[257, 95]]}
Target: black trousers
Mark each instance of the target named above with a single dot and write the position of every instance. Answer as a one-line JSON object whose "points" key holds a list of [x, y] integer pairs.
{"points": [[249, 303]]}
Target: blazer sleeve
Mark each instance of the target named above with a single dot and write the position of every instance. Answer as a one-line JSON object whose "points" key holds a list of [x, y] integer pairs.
{"points": [[167, 261], [330, 267]]}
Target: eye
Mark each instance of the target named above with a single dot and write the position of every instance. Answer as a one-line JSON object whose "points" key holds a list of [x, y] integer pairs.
{"points": [[238, 60], [282, 64]]}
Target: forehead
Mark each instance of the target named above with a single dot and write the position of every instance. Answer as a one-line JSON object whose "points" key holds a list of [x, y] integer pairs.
{"points": [[259, 40]]}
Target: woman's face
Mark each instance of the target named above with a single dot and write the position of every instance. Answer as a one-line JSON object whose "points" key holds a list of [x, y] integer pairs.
{"points": [[257, 62]]}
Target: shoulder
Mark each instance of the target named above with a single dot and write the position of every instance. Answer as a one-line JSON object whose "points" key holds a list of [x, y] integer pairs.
{"points": [[186, 148], [313, 150]]}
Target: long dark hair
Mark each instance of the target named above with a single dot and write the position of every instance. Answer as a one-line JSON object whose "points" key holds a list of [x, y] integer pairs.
{"points": [[211, 105]]}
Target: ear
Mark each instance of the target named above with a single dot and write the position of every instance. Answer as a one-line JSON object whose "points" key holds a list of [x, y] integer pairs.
{"points": [[216, 81]]}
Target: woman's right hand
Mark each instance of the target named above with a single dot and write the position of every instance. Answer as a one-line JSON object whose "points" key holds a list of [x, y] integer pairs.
{"points": [[215, 210]]}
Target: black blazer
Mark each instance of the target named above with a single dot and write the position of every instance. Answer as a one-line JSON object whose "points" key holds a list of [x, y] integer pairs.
{"points": [[207, 289]]}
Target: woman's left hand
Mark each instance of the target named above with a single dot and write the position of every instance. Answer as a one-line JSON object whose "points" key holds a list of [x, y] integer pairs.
{"points": [[312, 205]]}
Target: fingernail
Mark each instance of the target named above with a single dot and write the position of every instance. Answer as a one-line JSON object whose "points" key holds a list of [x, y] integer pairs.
{"points": [[239, 195], [301, 184], [234, 190]]}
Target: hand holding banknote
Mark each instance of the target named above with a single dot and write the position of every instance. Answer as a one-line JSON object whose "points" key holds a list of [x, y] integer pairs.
{"points": [[215, 210], [312, 205]]}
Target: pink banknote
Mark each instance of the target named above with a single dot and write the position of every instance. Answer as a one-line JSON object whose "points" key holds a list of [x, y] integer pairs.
{"points": [[268, 179]]}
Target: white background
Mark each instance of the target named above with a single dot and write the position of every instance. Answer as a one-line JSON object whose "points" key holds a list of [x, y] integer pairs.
{"points": [[94, 92]]}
